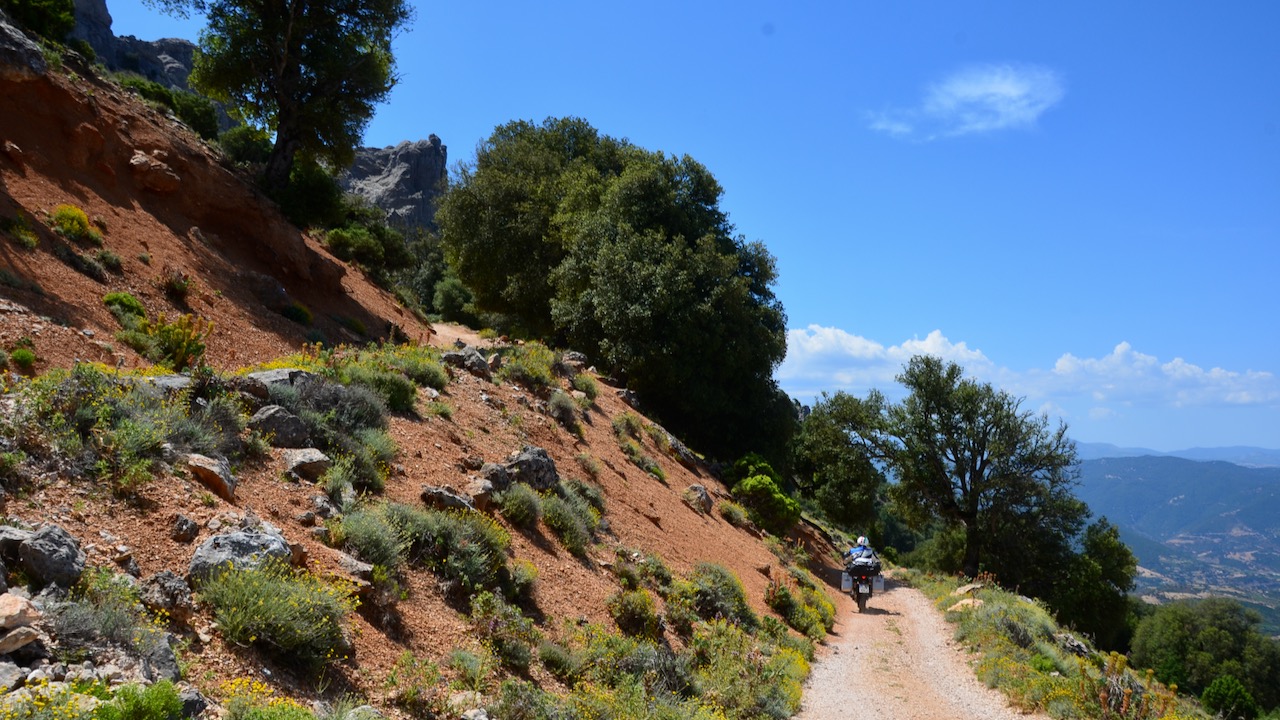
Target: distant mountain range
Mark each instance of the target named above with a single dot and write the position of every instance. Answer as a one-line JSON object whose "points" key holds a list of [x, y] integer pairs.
{"points": [[1197, 527], [1240, 455]]}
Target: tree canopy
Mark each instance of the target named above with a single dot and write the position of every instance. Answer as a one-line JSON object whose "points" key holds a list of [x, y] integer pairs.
{"points": [[624, 253], [308, 70]]}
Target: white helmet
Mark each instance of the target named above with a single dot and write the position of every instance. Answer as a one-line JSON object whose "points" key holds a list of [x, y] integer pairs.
{"points": [[862, 540]]}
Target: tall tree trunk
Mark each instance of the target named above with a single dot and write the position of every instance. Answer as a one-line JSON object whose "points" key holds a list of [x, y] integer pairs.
{"points": [[280, 164]]}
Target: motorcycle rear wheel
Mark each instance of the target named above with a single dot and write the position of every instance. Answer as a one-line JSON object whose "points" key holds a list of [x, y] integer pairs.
{"points": [[862, 603]]}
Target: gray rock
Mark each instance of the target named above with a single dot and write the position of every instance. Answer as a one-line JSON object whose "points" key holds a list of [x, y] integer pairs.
{"points": [[167, 591], [324, 506], [404, 181], [699, 498], [240, 549], [20, 57], [11, 677], [308, 463], [445, 498], [534, 467], [629, 397], [4, 573], [682, 453], [194, 703], [213, 474], [282, 376], [469, 359], [184, 529], [285, 429], [354, 567], [52, 557], [159, 662], [497, 476], [11, 538], [166, 383]]}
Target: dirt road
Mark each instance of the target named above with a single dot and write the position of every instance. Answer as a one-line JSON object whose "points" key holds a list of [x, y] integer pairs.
{"points": [[898, 661]]}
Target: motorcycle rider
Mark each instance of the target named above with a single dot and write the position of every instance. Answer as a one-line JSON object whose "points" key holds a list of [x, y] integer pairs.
{"points": [[860, 551]]}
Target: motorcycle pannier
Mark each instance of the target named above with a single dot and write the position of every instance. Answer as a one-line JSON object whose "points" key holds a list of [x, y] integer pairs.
{"points": [[846, 582]]}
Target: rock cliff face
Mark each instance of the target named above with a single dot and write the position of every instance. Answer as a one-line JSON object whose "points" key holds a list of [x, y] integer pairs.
{"points": [[404, 180], [166, 61]]}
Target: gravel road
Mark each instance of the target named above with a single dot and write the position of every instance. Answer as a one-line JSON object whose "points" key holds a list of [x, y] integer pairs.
{"points": [[897, 660]]}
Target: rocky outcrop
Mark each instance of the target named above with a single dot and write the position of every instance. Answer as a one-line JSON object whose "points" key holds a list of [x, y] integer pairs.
{"points": [[167, 61], [404, 180], [20, 57]]}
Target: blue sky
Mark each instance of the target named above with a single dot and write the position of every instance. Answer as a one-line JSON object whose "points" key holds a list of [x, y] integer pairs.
{"points": [[1079, 202]]}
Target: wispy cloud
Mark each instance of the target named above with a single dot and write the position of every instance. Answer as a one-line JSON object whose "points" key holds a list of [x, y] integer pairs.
{"points": [[976, 99], [828, 359]]}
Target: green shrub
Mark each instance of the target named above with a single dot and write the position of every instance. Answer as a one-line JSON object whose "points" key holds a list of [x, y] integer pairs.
{"points": [[504, 629], [560, 661], [397, 390], [587, 385], [747, 682], [4, 360], [421, 364], [636, 455], [195, 111], [1226, 697], [523, 576], [21, 231], [733, 513], [415, 686], [297, 312], [123, 305], [23, 358], [473, 669], [566, 523], [520, 505], [158, 701], [179, 344], [371, 536], [453, 301], [72, 223], [717, 593], [465, 549], [439, 409], [83, 264], [634, 612], [628, 424], [355, 244], [246, 145], [175, 283], [797, 614], [522, 700], [102, 607], [564, 410], [109, 260], [292, 615], [767, 505], [50, 19], [49, 701], [589, 465], [529, 365]]}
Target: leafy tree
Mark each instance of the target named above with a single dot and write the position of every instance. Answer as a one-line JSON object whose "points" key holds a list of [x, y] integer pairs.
{"points": [[1094, 597], [626, 255], [1193, 644], [50, 19], [310, 71], [1227, 698], [833, 466]]}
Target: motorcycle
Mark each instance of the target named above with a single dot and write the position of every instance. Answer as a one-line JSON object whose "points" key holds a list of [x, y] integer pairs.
{"points": [[860, 581]]}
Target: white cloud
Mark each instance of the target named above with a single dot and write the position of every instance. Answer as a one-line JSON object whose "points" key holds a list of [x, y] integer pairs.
{"points": [[828, 359], [976, 99]]}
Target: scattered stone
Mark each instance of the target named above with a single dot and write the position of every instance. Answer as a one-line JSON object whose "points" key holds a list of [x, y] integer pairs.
{"points": [[241, 549], [308, 463], [16, 612], [496, 475], [159, 662], [306, 519], [184, 529], [321, 534], [1072, 644], [282, 376], [51, 556], [534, 467], [629, 397], [324, 506], [699, 498], [11, 677], [445, 498], [214, 474], [472, 462], [354, 567], [481, 492], [471, 360], [194, 703], [967, 589], [966, 604], [11, 538], [17, 638], [285, 429], [166, 591], [298, 554]]}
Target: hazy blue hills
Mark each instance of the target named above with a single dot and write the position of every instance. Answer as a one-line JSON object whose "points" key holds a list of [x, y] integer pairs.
{"points": [[1240, 454], [1196, 527]]}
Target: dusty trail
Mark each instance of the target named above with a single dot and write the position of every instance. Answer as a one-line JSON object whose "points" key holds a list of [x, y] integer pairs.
{"points": [[898, 661]]}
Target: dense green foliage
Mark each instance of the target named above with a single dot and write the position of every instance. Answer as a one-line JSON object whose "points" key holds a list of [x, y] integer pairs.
{"points": [[1193, 644], [311, 73], [50, 19], [194, 110], [625, 254]]}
